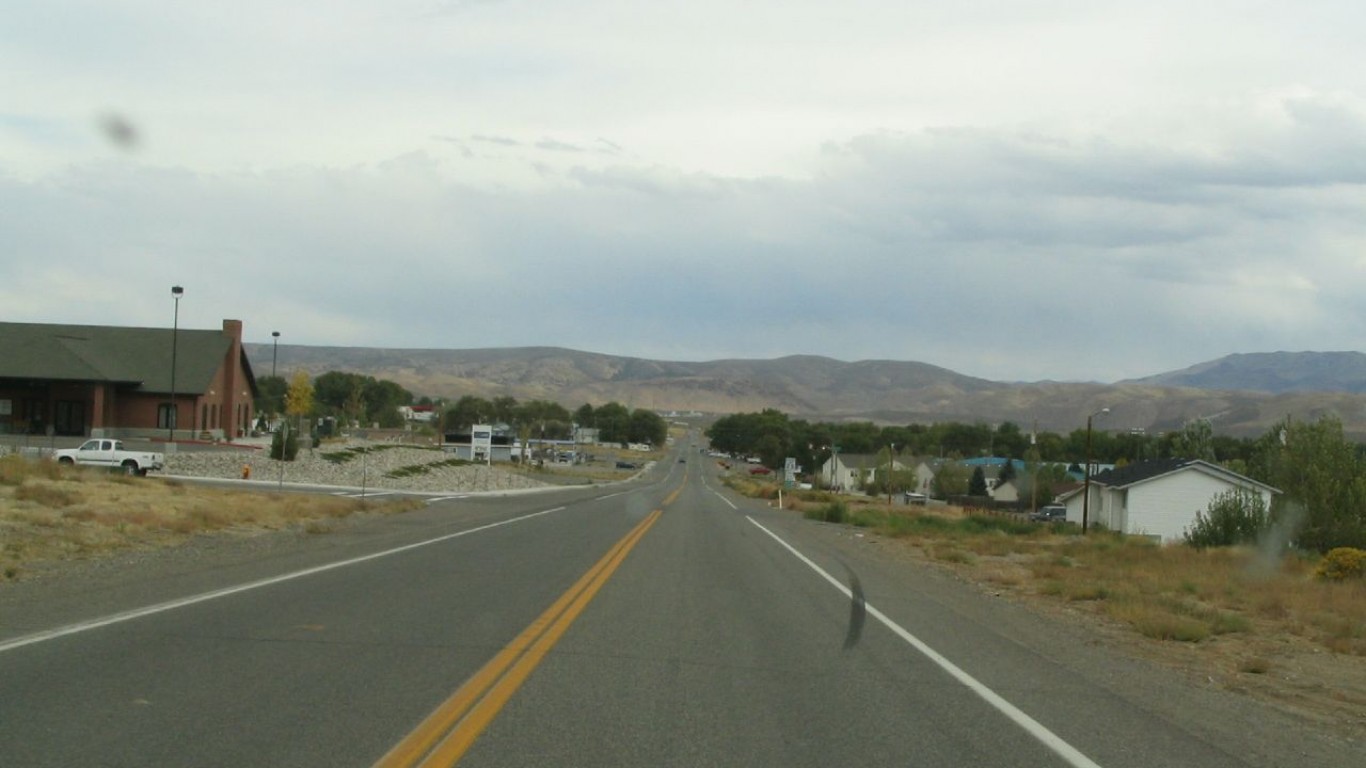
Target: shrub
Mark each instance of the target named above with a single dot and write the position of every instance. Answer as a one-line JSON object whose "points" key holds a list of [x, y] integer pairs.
{"points": [[1341, 564], [285, 444], [1233, 517], [834, 512], [13, 469], [47, 495]]}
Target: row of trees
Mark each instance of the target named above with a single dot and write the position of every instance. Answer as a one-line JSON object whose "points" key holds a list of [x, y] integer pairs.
{"points": [[615, 422], [1320, 473], [772, 436], [367, 400], [346, 396]]}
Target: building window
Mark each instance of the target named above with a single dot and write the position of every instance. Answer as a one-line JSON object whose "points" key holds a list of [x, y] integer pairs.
{"points": [[68, 417], [166, 416]]}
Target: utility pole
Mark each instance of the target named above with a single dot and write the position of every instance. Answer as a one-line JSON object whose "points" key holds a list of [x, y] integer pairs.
{"points": [[1086, 473]]}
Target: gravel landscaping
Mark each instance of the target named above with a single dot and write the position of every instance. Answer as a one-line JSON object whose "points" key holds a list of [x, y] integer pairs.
{"points": [[396, 468]]}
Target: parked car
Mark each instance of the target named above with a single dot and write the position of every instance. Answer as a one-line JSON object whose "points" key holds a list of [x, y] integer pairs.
{"points": [[111, 454], [1053, 513], [760, 471], [626, 465], [911, 497]]}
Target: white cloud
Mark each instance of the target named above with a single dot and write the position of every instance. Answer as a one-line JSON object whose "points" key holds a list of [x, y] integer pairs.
{"points": [[1068, 190]]}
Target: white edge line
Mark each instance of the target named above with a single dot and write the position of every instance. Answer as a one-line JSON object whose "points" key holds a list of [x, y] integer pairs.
{"points": [[731, 503], [104, 621], [1033, 727]]}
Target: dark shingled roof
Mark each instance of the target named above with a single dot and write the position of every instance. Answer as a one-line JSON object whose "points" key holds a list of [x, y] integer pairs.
{"points": [[96, 353], [1139, 471]]}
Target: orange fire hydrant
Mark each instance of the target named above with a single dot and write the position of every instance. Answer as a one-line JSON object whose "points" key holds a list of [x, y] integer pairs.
{"points": [[246, 471]]}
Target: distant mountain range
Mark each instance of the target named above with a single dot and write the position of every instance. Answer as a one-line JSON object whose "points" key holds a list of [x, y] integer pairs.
{"points": [[1239, 394], [1274, 372]]}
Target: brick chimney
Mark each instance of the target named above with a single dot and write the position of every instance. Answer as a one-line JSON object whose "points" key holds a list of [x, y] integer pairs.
{"points": [[236, 413]]}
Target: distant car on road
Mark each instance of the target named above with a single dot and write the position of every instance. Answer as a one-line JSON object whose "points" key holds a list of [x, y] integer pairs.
{"points": [[1053, 513], [911, 497], [626, 465]]}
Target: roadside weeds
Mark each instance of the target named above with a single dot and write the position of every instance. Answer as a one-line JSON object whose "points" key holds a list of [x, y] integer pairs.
{"points": [[50, 513], [1248, 621]]}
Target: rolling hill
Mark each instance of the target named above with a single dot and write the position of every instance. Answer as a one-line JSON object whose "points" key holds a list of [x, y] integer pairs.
{"points": [[1275, 372], [882, 390]]}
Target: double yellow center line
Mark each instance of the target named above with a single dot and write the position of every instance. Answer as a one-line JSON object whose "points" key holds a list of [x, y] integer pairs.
{"points": [[449, 731]]}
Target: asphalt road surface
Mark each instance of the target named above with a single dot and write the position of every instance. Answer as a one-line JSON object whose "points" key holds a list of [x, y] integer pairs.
{"points": [[661, 623]]}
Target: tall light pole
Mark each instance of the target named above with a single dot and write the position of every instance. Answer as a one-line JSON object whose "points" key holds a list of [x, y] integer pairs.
{"points": [[274, 353], [171, 421], [891, 452], [1086, 473]]}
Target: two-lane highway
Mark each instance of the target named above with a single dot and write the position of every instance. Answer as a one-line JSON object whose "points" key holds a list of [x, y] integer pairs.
{"points": [[665, 623]]}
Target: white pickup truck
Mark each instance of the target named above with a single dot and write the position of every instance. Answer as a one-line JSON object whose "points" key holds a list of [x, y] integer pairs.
{"points": [[111, 453]]}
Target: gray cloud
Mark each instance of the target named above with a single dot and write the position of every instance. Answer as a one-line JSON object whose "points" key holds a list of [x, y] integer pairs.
{"points": [[996, 254]]}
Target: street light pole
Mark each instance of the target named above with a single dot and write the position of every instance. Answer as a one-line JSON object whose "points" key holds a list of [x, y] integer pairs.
{"points": [[274, 354], [171, 420], [1086, 473], [891, 451]]}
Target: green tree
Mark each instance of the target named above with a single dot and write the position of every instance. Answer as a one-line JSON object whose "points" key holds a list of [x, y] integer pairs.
{"points": [[505, 409], [272, 391], [543, 418], [977, 485], [354, 406], [614, 423], [468, 411], [647, 427], [1009, 441], [1321, 476], [334, 388], [284, 445], [1007, 472], [1234, 517], [887, 479], [1041, 481], [1194, 441], [383, 399], [950, 479]]}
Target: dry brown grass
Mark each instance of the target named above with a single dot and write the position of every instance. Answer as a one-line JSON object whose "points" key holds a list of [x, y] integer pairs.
{"points": [[50, 513]]}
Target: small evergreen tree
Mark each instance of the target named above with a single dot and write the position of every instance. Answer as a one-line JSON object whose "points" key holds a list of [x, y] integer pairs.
{"points": [[285, 444], [977, 486], [1007, 472]]}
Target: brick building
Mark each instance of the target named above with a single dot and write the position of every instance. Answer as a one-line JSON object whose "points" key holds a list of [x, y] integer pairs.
{"points": [[106, 381]]}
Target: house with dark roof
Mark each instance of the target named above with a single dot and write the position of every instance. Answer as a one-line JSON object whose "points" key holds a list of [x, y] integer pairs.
{"points": [[108, 381], [1157, 498]]}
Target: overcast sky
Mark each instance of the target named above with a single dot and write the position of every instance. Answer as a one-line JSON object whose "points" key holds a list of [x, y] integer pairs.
{"points": [[1074, 189]]}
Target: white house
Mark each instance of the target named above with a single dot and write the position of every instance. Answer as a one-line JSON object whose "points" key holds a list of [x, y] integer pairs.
{"points": [[1006, 492], [846, 471], [1158, 498], [850, 471]]}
